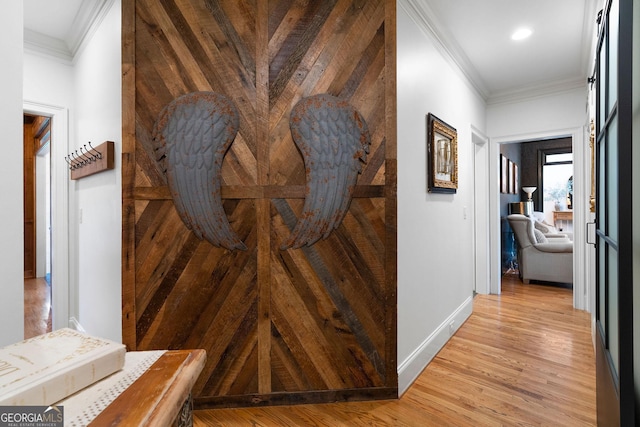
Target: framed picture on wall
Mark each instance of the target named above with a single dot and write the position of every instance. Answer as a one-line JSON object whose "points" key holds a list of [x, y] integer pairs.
{"points": [[510, 178], [515, 179], [442, 156], [504, 175]]}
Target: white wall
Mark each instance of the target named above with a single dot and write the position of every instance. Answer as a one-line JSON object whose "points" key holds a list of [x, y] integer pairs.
{"points": [[435, 239], [90, 89], [11, 217], [543, 114], [48, 81], [98, 118]]}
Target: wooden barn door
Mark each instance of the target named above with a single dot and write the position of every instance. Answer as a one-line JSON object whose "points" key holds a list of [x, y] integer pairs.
{"points": [[279, 326]]}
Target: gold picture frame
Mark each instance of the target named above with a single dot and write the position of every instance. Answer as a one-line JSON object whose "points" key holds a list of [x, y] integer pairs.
{"points": [[442, 156]]}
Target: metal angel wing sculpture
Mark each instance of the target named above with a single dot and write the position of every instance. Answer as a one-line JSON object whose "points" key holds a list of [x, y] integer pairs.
{"points": [[334, 141], [191, 136]]}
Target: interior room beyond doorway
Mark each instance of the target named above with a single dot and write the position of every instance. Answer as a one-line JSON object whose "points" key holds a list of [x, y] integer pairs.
{"points": [[544, 168], [37, 224]]}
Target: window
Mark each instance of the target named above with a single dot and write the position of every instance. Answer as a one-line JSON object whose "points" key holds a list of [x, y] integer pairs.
{"points": [[557, 181]]}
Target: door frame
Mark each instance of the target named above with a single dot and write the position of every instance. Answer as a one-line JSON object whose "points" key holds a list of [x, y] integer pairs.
{"points": [[62, 284], [481, 214], [616, 385], [43, 193], [581, 296]]}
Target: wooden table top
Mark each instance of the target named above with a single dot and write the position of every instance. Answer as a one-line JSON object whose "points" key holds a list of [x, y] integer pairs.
{"points": [[157, 397]]}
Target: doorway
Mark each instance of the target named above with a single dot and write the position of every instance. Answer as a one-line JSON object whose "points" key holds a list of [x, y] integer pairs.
{"points": [[37, 224], [544, 167], [63, 285], [577, 137]]}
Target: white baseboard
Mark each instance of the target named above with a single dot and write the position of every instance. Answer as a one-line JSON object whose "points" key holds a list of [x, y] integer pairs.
{"points": [[74, 324], [413, 365]]}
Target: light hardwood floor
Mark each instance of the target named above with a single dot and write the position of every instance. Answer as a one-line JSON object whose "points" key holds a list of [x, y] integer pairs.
{"points": [[37, 305], [523, 358]]}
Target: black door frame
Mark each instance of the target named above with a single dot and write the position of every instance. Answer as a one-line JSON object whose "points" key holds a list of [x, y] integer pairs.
{"points": [[615, 388]]}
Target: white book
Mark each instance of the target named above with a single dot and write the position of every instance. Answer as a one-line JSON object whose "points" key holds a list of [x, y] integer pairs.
{"points": [[47, 368]]}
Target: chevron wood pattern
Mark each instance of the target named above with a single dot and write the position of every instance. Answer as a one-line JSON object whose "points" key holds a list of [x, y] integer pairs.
{"points": [[300, 325]]}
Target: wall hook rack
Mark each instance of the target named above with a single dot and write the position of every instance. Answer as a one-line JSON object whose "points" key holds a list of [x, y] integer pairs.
{"points": [[88, 161]]}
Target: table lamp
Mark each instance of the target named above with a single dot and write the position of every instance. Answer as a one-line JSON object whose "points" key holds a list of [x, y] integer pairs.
{"points": [[528, 205]]}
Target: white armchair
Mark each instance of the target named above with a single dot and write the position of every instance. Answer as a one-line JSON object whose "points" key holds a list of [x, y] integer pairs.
{"points": [[549, 231], [539, 258]]}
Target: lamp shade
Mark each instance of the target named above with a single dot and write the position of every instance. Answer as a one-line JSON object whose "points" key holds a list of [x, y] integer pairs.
{"points": [[529, 191]]}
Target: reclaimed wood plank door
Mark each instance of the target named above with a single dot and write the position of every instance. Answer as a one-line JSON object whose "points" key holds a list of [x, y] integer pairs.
{"points": [[279, 326]]}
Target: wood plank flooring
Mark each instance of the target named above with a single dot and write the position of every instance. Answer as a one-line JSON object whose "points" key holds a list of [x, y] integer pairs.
{"points": [[523, 358], [37, 307]]}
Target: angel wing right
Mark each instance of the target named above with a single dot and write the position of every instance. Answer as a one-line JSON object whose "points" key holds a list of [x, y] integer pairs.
{"points": [[333, 138]]}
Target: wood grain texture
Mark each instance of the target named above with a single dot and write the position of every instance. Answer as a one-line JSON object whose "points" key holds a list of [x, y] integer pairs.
{"points": [[101, 159], [156, 398], [29, 196], [128, 174], [523, 358], [36, 134], [37, 307], [307, 325]]}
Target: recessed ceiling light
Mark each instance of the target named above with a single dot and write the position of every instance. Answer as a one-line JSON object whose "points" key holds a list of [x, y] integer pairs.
{"points": [[521, 34]]}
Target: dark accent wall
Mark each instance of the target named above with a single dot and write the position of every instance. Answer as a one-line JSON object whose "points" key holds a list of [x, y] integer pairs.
{"points": [[507, 240], [511, 152], [532, 167]]}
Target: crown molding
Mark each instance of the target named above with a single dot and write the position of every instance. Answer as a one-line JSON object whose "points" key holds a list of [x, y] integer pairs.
{"points": [[43, 45], [420, 12], [84, 25], [533, 91]]}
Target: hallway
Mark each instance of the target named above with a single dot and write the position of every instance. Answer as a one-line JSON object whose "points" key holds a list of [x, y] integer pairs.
{"points": [[522, 358]]}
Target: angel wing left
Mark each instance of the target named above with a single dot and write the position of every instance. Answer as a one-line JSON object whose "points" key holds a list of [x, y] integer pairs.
{"points": [[191, 137]]}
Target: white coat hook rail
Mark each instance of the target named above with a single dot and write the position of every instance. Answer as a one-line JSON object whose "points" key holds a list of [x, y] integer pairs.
{"points": [[87, 161]]}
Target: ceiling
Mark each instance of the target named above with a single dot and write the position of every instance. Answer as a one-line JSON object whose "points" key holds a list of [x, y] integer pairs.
{"points": [[58, 27], [476, 33], [50, 17]]}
